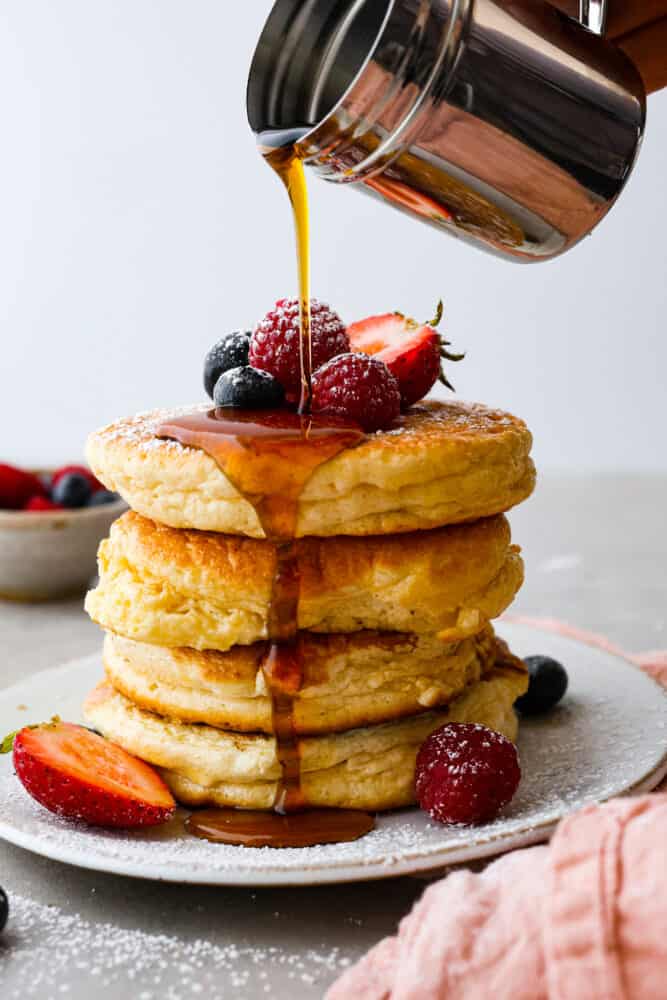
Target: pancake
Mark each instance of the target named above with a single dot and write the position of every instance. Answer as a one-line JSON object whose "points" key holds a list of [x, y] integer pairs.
{"points": [[349, 680], [367, 768], [210, 591], [443, 463]]}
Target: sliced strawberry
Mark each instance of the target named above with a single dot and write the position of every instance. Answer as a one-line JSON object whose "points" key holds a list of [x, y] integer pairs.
{"points": [[79, 775], [37, 504], [413, 352], [80, 470], [17, 486]]}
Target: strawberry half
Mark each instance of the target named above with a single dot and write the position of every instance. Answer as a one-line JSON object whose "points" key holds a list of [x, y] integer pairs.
{"points": [[413, 352], [79, 775]]}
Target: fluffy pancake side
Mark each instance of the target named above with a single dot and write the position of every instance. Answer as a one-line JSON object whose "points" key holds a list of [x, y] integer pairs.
{"points": [[444, 463], [210, 591], [348, 681], [367, 768]]}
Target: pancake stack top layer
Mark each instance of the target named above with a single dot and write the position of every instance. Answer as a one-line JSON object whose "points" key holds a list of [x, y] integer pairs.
{"points": [[443, 464], [403, 557]]}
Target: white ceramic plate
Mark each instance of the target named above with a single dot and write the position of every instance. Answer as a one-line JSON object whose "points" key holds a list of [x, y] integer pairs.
{"points": [[607, 738]]}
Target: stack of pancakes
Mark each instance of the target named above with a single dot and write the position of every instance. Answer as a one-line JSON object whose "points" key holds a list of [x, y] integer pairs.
{"points": [[404, 558]]}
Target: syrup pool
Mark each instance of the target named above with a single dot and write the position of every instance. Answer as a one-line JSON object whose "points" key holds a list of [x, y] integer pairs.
{"points": [[250, 828]]}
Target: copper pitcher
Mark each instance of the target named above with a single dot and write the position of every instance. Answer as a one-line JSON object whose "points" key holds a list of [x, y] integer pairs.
{"points": [[503, 122]]}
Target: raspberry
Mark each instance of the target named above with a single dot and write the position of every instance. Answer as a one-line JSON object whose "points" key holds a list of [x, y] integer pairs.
{"points": [[17, 486], [466, 773], [79, 470], [359, 388], [274, 346], [41, 504]]}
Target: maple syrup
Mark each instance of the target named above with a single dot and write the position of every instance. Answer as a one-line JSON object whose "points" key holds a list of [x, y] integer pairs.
{"points": [[281, 151], [269, 457]]}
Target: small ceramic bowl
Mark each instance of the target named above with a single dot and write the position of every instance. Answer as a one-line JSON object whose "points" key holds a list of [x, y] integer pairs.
{"points": [[46, 555]]}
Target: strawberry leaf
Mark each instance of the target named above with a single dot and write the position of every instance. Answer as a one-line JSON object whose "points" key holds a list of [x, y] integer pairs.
{"points": [[438, 315], [7, 744], [442, 378]]}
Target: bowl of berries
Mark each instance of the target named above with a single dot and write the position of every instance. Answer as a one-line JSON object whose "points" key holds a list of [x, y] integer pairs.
{"points": [[51, 523]]}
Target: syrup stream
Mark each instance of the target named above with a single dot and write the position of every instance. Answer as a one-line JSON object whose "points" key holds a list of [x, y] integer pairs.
{"points": [[281, 151]]}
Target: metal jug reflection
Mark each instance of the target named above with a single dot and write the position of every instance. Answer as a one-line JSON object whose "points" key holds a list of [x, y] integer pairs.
{"points": [[502, 122]]}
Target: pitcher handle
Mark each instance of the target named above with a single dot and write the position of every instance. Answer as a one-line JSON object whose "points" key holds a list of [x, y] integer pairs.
{"points": [[593, 15]]}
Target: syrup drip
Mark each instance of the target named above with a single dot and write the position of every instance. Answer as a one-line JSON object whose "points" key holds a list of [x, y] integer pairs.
{"points": [[283, 670], [269, 456], [279, 450]]}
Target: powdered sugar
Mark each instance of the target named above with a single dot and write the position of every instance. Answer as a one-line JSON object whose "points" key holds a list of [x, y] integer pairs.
{"points": [[141, 429], [449, 420], [47, 953]]}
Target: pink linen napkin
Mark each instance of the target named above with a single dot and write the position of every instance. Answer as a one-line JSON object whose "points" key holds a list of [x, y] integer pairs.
{"points": [[584, 918]]}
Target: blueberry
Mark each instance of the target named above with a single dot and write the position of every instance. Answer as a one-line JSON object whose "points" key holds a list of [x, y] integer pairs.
{"points": [[102, 497], [72, 490], [4, 910], [548, 684], [230, 352], [248, 389]]}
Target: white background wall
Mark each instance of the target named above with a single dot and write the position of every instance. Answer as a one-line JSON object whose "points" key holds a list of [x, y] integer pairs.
{"points": [[137, 224]]}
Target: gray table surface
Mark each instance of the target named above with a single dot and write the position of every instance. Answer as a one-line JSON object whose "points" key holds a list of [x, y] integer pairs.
{"points": [[596, 552]]}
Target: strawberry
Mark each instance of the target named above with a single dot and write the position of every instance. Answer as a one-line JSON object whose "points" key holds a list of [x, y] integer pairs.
{"points": [[37, 504], [17, 487], [79, 470], [413, 352], [79, 775]]}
